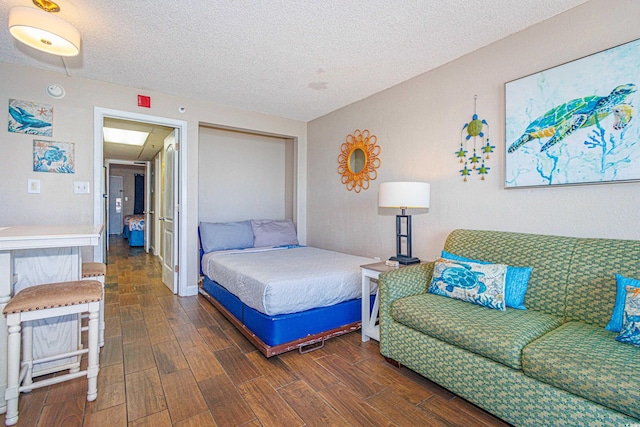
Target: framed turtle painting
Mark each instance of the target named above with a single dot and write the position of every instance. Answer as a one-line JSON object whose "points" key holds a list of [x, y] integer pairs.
{"points": [[49, 156], [575, 123]]}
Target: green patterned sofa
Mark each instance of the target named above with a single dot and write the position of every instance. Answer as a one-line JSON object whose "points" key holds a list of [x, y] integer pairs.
{"points": [[553, 364]]}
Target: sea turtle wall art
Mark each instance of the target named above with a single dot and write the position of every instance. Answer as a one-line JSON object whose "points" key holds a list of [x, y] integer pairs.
{"points": [[30, 117], [49, 156], [575, 123]]}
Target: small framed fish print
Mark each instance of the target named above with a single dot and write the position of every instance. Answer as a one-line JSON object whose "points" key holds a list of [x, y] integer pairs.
{"points": [[575, 123], [30, 117]]}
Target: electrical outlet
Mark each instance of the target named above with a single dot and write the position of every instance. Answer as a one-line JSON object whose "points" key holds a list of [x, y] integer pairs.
{"points": [[81, 187], [33, 186]]}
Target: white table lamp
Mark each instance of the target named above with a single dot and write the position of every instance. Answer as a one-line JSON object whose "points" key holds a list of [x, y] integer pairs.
{"points": [[404, 195]]}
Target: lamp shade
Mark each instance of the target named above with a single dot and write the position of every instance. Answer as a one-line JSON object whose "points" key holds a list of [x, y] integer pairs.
{"points": [[44, 31], [404, 195]]}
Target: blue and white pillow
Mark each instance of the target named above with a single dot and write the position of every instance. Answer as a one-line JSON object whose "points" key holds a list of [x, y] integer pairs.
{"points": [[630, 332], [481, 284], [615, 323], [516, 284]]}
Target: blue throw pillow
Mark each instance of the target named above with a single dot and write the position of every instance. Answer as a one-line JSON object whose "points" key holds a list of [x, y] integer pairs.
{"points": [[221, 236], [516, 284], [630, 332], [481, 284], [615, 324]]}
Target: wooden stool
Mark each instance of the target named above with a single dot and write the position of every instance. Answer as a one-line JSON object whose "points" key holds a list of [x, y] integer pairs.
{"points": [[97, 271], [42, 302]]}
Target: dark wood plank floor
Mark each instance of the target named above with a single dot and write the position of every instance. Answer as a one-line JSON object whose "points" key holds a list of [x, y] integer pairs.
{"points": [[178, 361]]}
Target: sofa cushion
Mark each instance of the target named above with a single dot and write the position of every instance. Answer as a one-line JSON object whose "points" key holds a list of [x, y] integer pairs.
{"points": [[591, 284], [587, 361], [481, 284], [549, 256], [498, 335]]}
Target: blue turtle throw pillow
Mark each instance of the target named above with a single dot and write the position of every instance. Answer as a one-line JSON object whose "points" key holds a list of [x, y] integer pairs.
{"points": [[615, 323], [516, 283], [481, 284], [630, 332]]}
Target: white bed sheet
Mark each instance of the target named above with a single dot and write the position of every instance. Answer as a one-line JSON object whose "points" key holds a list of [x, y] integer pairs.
{"points": [[279, 281]]}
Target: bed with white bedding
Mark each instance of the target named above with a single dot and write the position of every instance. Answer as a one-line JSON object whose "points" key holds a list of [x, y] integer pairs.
{"points": [[283, 297]]}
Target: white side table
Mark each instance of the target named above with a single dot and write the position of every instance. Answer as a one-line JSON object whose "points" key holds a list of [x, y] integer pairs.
{"points": [[370, 328]]}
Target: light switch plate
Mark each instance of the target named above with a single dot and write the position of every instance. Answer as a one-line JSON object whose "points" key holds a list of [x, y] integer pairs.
{"points": [[33, 186], [81, 187]]}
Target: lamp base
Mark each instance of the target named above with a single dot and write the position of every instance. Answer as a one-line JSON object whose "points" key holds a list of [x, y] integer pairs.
{"points": [[405, 260]]}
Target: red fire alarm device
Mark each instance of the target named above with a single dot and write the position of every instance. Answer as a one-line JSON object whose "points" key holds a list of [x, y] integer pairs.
{"points": [[144, 101]]}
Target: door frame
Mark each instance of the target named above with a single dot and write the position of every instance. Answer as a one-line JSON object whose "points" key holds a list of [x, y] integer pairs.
{"points": [[99, 115], [157, 189], [142, 165]]}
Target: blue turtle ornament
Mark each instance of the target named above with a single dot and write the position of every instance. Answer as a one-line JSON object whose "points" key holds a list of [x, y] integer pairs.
{"points": [[474, 129]]}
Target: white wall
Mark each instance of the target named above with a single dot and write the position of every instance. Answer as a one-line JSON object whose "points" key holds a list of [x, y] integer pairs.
{"points": [[73, 122], [243, 176], [418, 127]]}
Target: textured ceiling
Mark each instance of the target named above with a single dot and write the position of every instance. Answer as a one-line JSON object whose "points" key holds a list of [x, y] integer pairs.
{"points": [[295, 59]]}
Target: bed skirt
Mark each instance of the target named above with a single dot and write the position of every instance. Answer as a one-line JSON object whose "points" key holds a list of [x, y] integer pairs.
{"points": [[136, 238], [284, 332]]}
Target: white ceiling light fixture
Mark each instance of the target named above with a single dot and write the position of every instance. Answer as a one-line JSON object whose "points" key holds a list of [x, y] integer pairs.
{"points": [[123, 136], [44, 31]]}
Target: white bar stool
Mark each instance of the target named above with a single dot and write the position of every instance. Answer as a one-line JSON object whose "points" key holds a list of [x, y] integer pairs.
{"points": [[97, 271], [42, 302]]}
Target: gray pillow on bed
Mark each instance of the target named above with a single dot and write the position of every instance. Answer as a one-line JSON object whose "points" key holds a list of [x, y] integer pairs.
{"points": [[220, 236], [274, 233]]}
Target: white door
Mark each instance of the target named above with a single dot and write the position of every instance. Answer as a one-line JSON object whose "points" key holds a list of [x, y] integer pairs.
{"points": [[170, 212], [115, 205]]}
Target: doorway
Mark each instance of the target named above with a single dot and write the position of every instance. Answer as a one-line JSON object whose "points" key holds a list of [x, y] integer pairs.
{"points": [[177, 246], [128, 171]]}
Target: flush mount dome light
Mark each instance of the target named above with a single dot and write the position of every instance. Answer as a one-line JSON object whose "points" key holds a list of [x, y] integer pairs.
{"points": [[44, 31]]}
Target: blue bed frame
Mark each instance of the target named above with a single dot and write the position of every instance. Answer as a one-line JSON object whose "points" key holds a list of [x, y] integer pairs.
{"points": [[272, 335]]}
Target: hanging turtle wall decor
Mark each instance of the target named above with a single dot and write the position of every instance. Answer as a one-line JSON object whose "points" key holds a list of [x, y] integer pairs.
{"points": [[475, 129]]}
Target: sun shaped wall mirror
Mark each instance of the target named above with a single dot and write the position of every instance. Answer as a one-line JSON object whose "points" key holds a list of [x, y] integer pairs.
{"points": [[358, 160]]}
